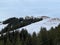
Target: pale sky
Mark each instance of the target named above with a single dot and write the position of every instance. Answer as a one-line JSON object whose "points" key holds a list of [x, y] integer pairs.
{"points": [[18, 8]]}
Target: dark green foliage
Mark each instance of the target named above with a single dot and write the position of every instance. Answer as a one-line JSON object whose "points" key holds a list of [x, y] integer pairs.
{"points": [[44, 37], [23, 35], [10, 20], [29, 40], [15, 23], [34, 39]]}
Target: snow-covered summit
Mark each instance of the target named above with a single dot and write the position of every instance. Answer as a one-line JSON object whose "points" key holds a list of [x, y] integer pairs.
{"points": [[46, 23]]}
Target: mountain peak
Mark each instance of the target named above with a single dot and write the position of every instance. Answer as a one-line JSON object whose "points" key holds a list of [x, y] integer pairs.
{"points": [[54, 20], [45, 17], [47, 23]]}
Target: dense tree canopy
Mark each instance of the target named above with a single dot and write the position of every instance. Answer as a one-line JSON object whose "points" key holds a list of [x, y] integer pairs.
{"points": [[44, 37], [15, 23]]}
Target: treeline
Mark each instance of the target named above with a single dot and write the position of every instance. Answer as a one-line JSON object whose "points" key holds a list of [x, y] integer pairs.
{"points": [[15, 23], [44, 37], [11, 36]]}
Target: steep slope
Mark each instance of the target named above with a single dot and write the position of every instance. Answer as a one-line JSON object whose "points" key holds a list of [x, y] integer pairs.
{"points": [[47, 23]]}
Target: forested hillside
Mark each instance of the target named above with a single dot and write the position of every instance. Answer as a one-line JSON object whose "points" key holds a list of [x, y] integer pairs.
{"points": [[11, 36], [15, 23]]}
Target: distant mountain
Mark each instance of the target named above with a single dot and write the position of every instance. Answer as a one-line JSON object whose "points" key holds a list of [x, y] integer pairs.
{"points": [[44, 17], [47, 22], [55, 19]]}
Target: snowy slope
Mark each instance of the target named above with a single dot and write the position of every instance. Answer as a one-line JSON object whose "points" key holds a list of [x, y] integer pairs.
{"points": [[2, 26], [47, 23]]}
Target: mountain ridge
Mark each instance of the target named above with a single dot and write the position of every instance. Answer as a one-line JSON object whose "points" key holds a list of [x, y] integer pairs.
{"points": [[47, 23]]}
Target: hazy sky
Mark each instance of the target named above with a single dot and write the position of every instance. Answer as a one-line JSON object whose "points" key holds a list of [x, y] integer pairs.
{"points": [[18, 8]]}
